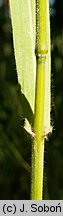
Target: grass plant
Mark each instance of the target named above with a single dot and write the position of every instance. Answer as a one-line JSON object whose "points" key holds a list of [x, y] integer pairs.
{"points": [[31, 36]]}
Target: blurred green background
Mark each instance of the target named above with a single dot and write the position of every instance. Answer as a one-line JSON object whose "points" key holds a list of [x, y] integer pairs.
{"points": [[15, 143]]}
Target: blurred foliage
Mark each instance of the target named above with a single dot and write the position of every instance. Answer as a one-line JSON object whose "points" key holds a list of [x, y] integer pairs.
{"points": [[15, 143], [54, 147]]}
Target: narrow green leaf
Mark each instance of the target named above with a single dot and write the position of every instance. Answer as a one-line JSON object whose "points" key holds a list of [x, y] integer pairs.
{"points": [[23, 25]]}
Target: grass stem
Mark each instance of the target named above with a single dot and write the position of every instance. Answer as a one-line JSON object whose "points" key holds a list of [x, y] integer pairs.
{"points": [[38, 142]]}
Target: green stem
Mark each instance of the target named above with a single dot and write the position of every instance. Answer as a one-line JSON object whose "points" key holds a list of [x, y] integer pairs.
{"points": [[38, 142]]}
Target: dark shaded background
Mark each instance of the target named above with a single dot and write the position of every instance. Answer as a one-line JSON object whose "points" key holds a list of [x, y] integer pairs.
{"points": [[15, 143]]}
